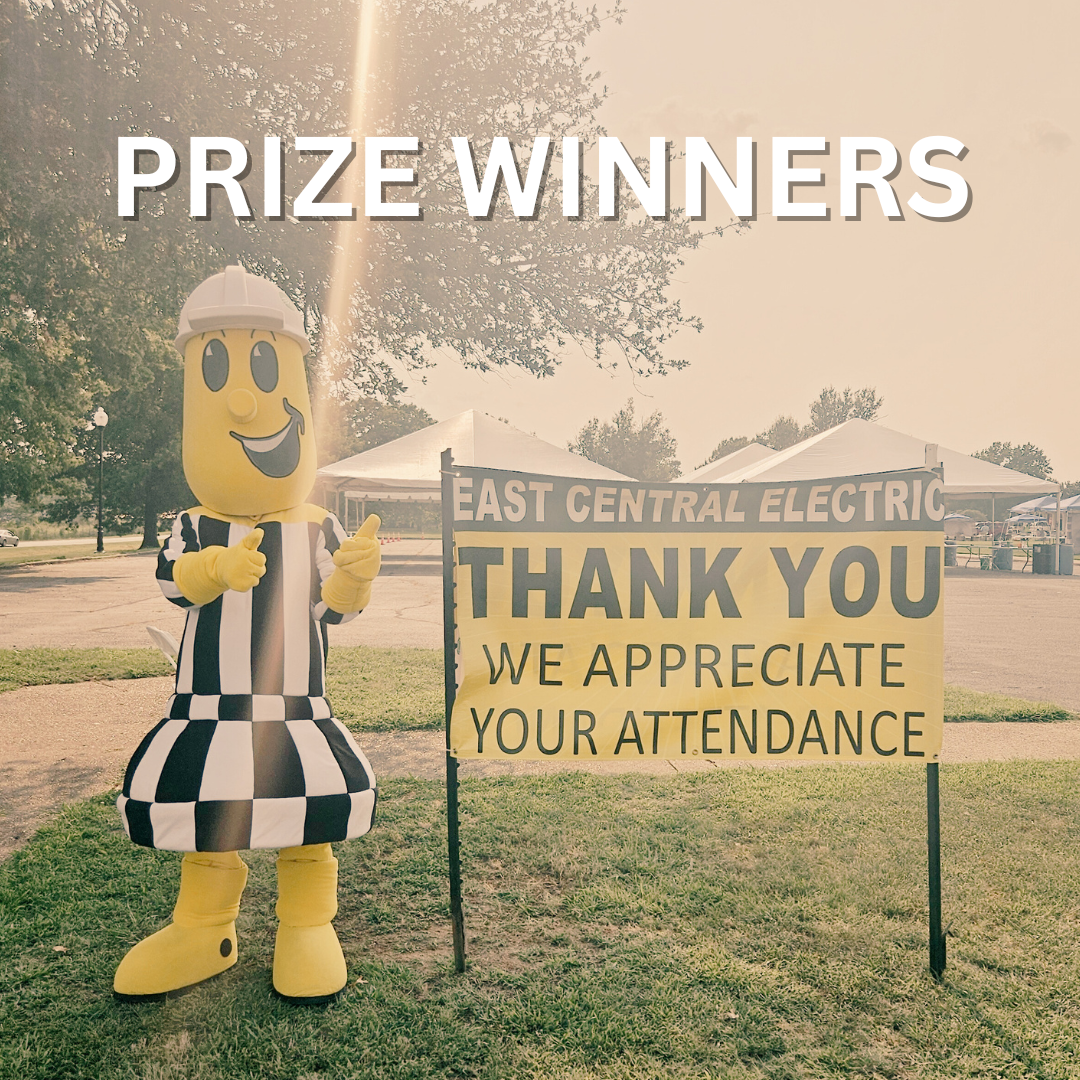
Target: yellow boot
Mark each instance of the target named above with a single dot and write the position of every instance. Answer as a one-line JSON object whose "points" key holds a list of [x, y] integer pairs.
{"points": [[201, 939], [309, 966]]}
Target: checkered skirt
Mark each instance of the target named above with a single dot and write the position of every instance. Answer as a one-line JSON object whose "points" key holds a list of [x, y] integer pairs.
{"points": [[229, 772]]}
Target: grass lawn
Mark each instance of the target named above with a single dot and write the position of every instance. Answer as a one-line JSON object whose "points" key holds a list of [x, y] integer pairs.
{"points": [[38, 667], [961, 705], [15, 556], [396, 689], [373, 689], [386, 689], [743, 923]]}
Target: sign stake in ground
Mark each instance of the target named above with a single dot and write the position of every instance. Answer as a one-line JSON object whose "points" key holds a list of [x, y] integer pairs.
{"points": [[933, 815], [457, 915], [933, 848]]}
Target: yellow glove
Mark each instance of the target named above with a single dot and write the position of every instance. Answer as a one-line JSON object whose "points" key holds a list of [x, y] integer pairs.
{"points": [[356, 564], [204, 575]]}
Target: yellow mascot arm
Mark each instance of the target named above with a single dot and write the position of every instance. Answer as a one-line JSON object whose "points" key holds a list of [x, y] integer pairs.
{"points": [[204, 575], [356, 565]]}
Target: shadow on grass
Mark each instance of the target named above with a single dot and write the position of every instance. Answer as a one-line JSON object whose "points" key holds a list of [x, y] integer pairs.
{"points": [[744, 923]]}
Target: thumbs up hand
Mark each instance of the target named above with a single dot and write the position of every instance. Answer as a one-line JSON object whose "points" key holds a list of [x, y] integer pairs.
{"points": [[356, 564], [360, 556], [202, 576], [239, 567]]}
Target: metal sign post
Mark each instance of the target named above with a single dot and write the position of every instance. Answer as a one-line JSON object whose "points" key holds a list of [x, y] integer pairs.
{"points": [[933, 810], [933, 847], [457, 916]]}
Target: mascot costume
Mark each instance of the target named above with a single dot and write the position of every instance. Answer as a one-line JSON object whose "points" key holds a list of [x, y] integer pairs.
{"points": [[249, 754]]}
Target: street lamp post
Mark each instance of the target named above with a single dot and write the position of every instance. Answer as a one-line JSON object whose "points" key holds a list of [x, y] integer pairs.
{"points": [[100, 418]]}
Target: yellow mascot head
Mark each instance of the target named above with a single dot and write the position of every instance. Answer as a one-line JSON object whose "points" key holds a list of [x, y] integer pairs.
{"points": [[249, 447]]}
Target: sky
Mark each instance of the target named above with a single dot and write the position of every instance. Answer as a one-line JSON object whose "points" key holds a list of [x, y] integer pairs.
{"points": [[966, 328]]}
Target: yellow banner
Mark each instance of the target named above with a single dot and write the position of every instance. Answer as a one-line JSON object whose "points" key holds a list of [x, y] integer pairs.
{"points": [[735, 635]]}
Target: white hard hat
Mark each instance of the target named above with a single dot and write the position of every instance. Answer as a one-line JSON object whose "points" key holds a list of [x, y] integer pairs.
{"points": [[237, 300]]}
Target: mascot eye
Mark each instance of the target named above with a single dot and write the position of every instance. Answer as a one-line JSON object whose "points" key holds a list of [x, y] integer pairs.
{"points": [[264, 366], [215, 364]]}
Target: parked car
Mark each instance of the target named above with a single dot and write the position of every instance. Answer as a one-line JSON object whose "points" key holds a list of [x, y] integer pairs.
{"points": [[8, 538]]}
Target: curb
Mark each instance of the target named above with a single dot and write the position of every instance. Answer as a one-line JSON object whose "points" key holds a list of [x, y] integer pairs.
{"points": [[77, 558]]}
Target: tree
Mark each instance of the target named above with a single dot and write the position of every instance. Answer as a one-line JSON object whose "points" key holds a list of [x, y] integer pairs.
{"points": [[494, 291], [142, 472], [827, 410], [645, 451], [479, 287], [39, 393], [727, 446], [783, 432], [101, 295], [351, 427], [1027, 458], [41, 382], [832, 407]]}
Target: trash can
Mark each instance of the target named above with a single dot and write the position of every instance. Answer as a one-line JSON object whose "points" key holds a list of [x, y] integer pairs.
{"points": [[1003, 557], [1044, 558], [1065, 559], [950, 554]]}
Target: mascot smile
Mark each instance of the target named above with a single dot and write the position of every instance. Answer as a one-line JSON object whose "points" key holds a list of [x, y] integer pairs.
{"points": [[278, 454], [249, 753]]}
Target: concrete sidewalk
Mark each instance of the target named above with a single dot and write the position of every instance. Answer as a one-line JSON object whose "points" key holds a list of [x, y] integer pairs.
{"points": [[62, 743]]}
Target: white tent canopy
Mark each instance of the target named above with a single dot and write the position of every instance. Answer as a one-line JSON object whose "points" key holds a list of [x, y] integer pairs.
{"points": [[713, 471], [1049, 504], [859, 446], [408, 469]]}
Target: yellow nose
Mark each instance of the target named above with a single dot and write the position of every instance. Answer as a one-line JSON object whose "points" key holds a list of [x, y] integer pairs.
{"points": [[242, 406]]}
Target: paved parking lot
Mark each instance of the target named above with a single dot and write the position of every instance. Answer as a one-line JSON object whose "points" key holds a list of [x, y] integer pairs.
{"points": [[1011, 633], [1014, 634], [109, 602]]}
